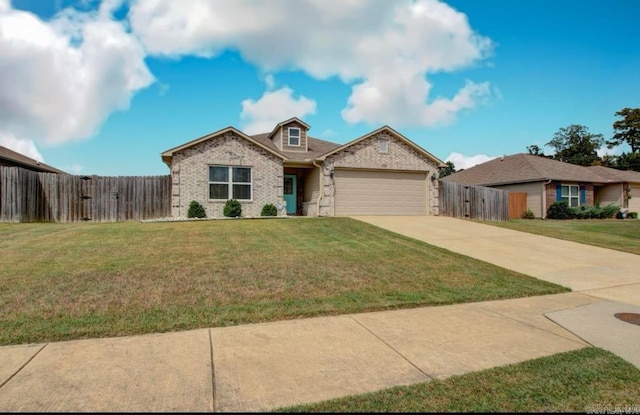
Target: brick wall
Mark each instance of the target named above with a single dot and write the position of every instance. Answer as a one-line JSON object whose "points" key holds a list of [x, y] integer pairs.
{"points": [[551, 193], [366, 154], [190, 174]]}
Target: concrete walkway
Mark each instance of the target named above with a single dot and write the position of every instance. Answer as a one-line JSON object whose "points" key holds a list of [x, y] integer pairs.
{"points": [[265, 366]]}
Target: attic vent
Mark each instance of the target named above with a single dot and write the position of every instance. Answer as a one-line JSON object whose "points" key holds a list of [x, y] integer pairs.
{"points": [[383, 146]]}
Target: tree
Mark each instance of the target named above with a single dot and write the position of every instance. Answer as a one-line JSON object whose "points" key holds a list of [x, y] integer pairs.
{"points": [[575, 144], [627, 130], [449, 169], [535, 150]]}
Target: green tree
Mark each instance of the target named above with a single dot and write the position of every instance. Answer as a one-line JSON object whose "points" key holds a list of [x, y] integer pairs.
{"points": [[575, 144], [535, 150], [627, 130], [449, 169]]}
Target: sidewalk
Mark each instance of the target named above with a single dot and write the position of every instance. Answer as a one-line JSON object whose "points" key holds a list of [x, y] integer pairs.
{"points": [[260, 367]]}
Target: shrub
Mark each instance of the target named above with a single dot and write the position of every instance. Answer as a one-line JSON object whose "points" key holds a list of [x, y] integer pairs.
{"points": [[559, 210], [528, 215], [232, 209], [269, 210], [632, 215], [196, 210], [609, 211]]}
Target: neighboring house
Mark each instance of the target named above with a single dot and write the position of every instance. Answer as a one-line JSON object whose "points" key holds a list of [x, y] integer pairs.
{"points": [[12, 159], [380, 173], [545, 181]]}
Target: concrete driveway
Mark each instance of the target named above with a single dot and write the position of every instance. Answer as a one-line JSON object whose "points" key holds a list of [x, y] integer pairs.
{"points": [[598, 272]]}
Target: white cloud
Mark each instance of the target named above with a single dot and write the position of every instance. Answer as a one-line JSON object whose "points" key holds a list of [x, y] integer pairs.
{"points": [[270, 82], [74, 168], [60, 79], [464, 162], [20, 145], [273, 107], [384, 49], [604, 151]]}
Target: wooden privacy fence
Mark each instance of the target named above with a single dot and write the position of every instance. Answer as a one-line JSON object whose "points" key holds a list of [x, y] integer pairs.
{"points": [[473, 202], [28, 196]]}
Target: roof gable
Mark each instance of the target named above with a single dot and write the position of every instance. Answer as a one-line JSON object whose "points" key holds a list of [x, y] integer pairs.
{"points": [[392, 132], [289, 121], [167, 155]]}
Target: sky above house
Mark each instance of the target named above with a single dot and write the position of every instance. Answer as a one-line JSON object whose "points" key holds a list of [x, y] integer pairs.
{"points": [[103, 87]]}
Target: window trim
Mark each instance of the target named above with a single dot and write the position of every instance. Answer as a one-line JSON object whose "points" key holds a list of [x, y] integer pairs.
{"points": [[386, 146], [230, 182], [570, 195], [299, 137]]}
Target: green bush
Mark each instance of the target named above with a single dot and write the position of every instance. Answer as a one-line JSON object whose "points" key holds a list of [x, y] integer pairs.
{"points": [[232, 209], [609, 211], [632, 215], [560, 210], [269, 210], [528, 215], [196, 210]]}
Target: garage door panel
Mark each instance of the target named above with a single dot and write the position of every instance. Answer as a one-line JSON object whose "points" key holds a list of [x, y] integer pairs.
{"points": [[360, 192]]}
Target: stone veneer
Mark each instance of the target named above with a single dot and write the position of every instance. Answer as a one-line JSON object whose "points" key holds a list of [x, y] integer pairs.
{"points": [[190, 174], [366, 155]]}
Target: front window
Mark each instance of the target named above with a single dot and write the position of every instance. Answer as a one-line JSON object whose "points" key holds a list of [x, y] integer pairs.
{"points": [[294, 136], [571, 194], [226, 182]]}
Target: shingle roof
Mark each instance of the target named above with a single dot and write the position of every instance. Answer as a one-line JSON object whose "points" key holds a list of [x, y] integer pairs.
{"points": [[316, 147], [13, 158], [614, 175], [522, 168]]}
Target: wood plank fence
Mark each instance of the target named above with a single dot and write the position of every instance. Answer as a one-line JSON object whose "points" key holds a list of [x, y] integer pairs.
{"points": [[473, 202], [28, 196]]}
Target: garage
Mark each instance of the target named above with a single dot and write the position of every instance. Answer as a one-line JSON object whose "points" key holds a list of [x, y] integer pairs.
{"points": [[367, 192], [634, 202]]}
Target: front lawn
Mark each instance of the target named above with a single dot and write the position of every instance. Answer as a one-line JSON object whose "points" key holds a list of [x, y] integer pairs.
{"points": [[588, 380], [622, 235], [68, 281]]}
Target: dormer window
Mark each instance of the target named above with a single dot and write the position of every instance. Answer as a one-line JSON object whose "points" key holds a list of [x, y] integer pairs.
{"points": [[294, 136]]}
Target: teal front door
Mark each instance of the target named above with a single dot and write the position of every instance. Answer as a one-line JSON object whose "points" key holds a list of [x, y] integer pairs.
{"points": [[290, 196]]}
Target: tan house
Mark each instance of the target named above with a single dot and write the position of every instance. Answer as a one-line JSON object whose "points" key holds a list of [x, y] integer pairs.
{"points": [[546, 181], [380, 173]]}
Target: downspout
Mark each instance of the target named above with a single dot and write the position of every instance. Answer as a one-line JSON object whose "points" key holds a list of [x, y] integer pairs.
{"points": [[320, 189], [544, 198]]}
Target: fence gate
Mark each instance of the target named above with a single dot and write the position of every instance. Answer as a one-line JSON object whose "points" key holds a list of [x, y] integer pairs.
{"points": [[517, 204]]}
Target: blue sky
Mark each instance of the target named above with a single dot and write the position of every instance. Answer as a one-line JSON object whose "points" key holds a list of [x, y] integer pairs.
{"points": [[104, 87]]}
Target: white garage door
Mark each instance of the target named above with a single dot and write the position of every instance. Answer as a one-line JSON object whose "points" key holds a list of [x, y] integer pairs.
{"points": [[634, 202], [362, 192]]}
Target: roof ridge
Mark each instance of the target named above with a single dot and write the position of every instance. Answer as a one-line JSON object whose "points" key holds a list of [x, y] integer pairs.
{"points": [[532, 165]]}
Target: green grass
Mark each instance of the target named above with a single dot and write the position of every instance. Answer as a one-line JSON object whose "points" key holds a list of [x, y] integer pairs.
{"points": [[69, 281], [575, 381], [621, 235]]}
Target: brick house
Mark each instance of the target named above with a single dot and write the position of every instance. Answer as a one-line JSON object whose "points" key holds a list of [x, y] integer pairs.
{"points": [[546, 181], [380, 173]]}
